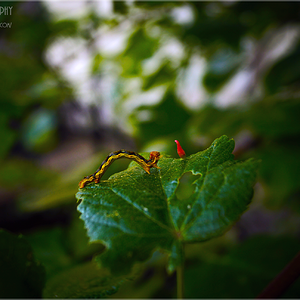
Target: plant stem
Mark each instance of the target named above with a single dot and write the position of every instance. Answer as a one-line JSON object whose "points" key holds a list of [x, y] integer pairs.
{"points": [[179, 273]]}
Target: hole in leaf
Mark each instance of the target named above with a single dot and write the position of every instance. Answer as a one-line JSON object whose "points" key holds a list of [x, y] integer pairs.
{"points": [[186, 187]]}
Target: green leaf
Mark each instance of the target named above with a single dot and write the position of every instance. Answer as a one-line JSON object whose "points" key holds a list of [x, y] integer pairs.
{"points": [[134, 213], [83, 281], [20, 275]]}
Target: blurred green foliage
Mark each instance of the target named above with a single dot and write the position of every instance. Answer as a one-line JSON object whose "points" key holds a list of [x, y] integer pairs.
{"points": [[83, 281], [244, 271], [190, 71], [20, 274]]}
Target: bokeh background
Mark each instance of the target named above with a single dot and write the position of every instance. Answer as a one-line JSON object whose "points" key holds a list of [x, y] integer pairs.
{"points": [[79, 79]]}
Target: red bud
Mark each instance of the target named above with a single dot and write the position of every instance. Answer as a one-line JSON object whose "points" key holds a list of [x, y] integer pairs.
{"points": [[180, 151]]}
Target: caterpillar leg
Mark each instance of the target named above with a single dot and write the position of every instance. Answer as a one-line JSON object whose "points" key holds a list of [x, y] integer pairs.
{"points": [[147, 169]]}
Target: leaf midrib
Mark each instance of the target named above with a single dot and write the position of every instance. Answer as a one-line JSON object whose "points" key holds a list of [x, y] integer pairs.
{"points": [[157, 222]]}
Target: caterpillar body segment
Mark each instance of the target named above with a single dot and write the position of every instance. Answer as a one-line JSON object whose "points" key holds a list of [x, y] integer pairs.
{"points": [[146, 164]]}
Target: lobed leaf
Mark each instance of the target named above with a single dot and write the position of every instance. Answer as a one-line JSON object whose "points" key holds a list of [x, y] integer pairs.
{"points": [[134, 213]]}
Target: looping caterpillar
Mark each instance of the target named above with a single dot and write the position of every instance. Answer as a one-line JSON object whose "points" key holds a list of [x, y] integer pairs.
{"points": [[146, 164]]}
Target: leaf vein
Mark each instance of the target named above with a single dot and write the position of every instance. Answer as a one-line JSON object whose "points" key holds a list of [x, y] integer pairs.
{"points": [[140, 210]]}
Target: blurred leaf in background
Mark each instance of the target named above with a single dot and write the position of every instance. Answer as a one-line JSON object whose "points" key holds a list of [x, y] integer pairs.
{"points": [[244, 271], [21, 276]]}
